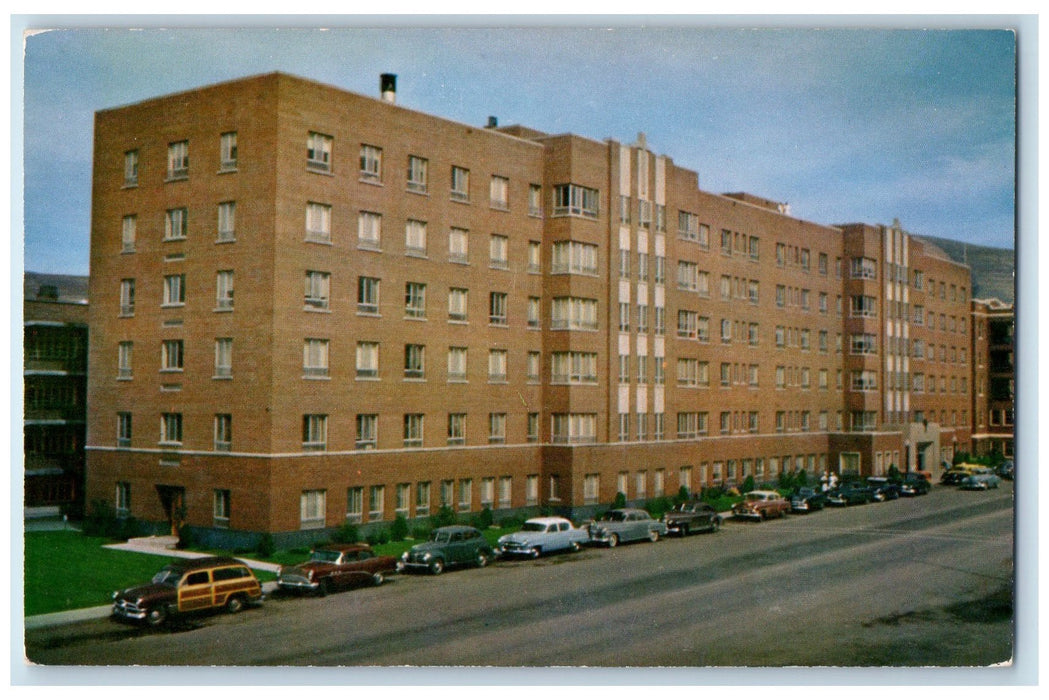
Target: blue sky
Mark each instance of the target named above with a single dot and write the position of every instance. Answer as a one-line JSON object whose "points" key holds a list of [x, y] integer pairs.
{"points": [[845, 125]]}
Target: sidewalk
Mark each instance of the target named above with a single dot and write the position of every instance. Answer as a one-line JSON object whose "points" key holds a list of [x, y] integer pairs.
{"points": [[161, 546]]}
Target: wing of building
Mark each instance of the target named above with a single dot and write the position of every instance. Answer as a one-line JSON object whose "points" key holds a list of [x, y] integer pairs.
{"points": [[310, 306]]}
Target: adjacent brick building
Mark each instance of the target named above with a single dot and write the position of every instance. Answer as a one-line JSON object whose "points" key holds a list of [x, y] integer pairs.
{"points": [[432, 313], [994, 376]]}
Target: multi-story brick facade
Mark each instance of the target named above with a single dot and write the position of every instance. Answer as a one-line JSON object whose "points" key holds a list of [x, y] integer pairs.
{"points": [[431, 313], [994, 376]]}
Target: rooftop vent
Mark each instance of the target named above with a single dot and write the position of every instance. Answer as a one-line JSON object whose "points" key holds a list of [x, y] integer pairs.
{"points": [[388, 87]]}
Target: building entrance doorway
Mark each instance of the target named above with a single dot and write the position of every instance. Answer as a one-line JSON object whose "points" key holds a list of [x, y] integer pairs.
{"points": [[172, 500]]}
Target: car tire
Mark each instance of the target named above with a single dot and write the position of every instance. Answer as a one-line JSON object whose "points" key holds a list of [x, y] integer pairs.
{"points": [[653, 535], [378, 578], [324, 588], [437, 567], [482, 560], [684, 531], [715, 524], [234, 604], [155, 617], [537, 552], [613, 540]]}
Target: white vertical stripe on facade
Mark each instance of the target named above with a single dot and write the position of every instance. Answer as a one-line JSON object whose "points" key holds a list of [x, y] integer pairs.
{"points": [[624, 343], [661, 244], [660, 299], [642, 293], [642, 345], [624, 238], [642, 173], [641, 399], [642, 241], [658, 399], [624, 170], [659, 346], [661, 180], [624, 291], [624, 399]]}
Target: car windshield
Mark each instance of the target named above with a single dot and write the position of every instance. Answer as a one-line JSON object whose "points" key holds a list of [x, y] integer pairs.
{"points": [[439, 536], [614, 516], [325, 555], [167, 577], [534, 527], [755, 497]]}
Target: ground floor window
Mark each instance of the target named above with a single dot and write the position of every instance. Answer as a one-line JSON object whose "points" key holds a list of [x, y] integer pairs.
{"points": [[312, 509], [221, 509]]}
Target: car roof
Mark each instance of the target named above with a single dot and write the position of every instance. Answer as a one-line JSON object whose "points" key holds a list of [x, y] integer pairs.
{"points": [[203, 563], [355, 547], [763, 492], [456, 528], [547, 520]]}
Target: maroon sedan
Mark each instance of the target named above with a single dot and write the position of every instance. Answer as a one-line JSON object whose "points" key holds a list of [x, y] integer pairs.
{"points": [[336, 566]]}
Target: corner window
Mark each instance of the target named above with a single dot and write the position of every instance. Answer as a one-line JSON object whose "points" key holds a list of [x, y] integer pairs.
{"points": [[228, 151], [318, 152], [178, 160]]}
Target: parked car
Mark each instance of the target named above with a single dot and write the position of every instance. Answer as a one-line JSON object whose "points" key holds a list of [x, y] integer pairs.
{"points": [[1005, 470], [807, 500], [189, 585], [336, 566], [761, 505], [540, 536], [955, 474], [884, 488], [448, 546], [692, 516], [625, 525], [914, 484], [850, 494], [980, 480]]}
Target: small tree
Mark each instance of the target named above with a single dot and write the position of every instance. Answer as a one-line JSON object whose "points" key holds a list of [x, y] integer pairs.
{"points": [[786, 480], [399, 528], [748, 484], [347, 534], [443, 517], [265, 548], [484, 519], [682, 495], [894, 473], [802, 479], [620, 500]]}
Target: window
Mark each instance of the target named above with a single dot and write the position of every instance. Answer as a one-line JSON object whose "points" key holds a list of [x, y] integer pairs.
{"points": [[413, 429], [223, 358], [124, 352], [178, 160], [498, 251], [497, 366], [752, 248], [687, 372], [497, 308], [318, 222], [624, 316], [318, 152], [863, 306], [803, 259], [171, 428], [315, 358], [171, 356], [175, 224], [312, 506], [499, 192], [686, 324], [535, 256], [415, 300], [726, 242], [371, 164], [127, 234], [687, 226], [415, 238], [457, 304], [703, 329], [422, 498], [496, 428], [659, 323], [354, 504], [823, 302], [376, 502], [131, 168], [317, 289], [367, 360], [726, 330], [457, 364], [227, 216], [223, 432], [122, 499], [690, 425], [314, 432], [726, 374], [124, 429], [174, 290], [752, 333], [465, 494], [532, 363], [369, 230], [414, 361], [535, 200], [224, 290], [624, 369], [459, 245], [573, 367], [417, 174], [863, 344], [575, 200], [624, 263], [505, 491], [726, 287], [864, 268], [574, 257], [460, 184], [864, 380], [456, 428], [532, 427], [659, 272], [573, 427], [228, 151], [644, 213], [687, 276], [403, 496], [367, 431], [533, 312]]}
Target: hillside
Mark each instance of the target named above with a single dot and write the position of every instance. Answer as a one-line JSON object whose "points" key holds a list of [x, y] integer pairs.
{"points": [[992, 268]]}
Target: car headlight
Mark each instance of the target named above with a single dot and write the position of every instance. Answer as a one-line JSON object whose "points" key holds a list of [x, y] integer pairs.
{"points": [[404, 556], [309, 575], [427, 557], [116, 594]]}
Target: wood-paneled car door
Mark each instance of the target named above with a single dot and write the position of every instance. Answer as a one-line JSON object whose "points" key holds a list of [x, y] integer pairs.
{"points": [[195, 591]]}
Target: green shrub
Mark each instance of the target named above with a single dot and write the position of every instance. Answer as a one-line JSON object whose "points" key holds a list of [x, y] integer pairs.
{"points": [[511, 523], [619, 501], [656, 507], [185, 537], [265, 548], [377, 537], [347, 533], [399, 528], [682, 495], [483, 520], [748, 484], [444, 517], [420, 532], [801, 479]]}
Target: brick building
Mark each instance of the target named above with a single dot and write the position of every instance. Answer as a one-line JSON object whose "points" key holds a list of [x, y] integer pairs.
{"points": [[994, 376], [54, 314], [432, 313]]}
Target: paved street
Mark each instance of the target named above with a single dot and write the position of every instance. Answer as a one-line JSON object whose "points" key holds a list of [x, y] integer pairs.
{"points": [[915, 582]]}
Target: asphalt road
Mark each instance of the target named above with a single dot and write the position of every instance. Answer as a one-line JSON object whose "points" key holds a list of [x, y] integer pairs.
{"points": [[916, 582]]}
